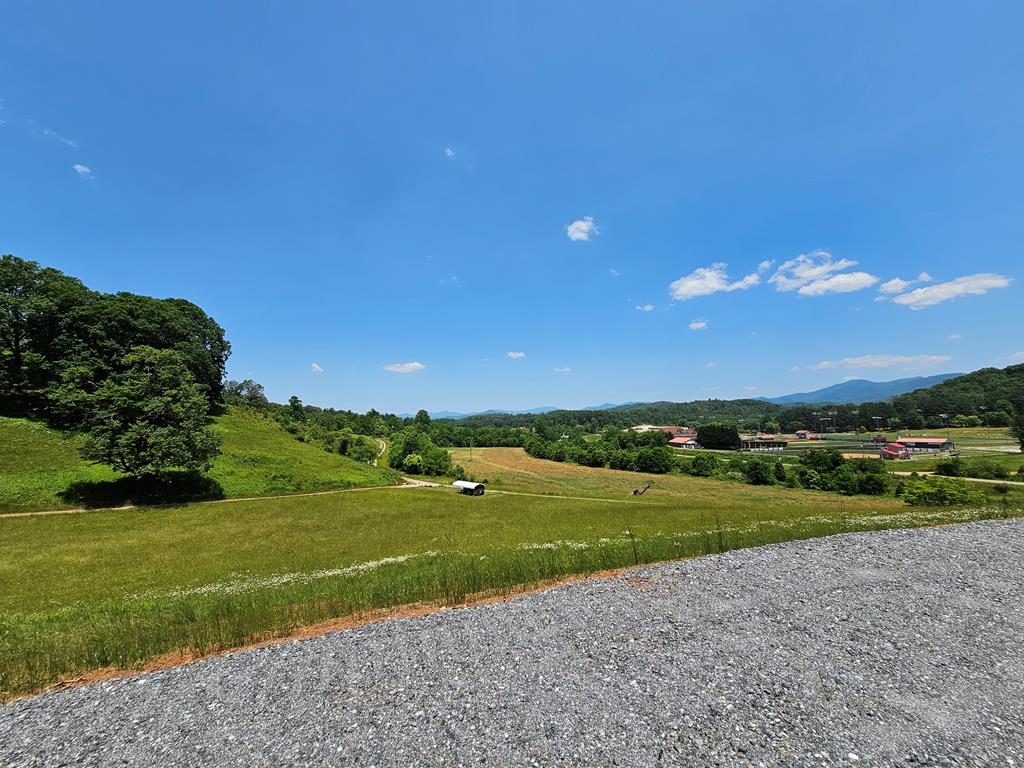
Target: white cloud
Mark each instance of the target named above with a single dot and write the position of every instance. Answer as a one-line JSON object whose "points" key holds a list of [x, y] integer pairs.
{"points": [[645, 307], [405, 367], [1017, 356], [516, 355], [954, 337], [315, 368], [968, 285], [765, 265], [795, 369], [711, 365], [699, 324], [924, 277], [908, 362], [896, 285], [847, 282], [614, 272], [582, 229], [449, 152], [561, 370], [83, 170], [62, 139], [751, 388], [807, 268], [705, 281]]}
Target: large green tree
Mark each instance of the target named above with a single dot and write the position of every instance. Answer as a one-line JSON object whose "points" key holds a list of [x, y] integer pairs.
{"points": [[147, 418], [36, 305], [51, 323]]}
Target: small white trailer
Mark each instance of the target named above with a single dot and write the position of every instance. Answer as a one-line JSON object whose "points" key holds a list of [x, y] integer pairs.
{"points": [[469, 488]]}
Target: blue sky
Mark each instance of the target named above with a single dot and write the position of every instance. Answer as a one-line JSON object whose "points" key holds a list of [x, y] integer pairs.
{"points": [[471, 205]]}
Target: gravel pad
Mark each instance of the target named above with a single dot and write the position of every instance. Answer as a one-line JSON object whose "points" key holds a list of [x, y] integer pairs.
{"points": [[901, 648]]}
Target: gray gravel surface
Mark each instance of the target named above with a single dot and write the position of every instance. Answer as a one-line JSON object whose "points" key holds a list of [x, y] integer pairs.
{"points": [[878, 649]]}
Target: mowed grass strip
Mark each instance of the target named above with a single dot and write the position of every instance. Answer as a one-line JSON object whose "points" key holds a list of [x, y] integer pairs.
{"points": [[116, 588], [258, 458]]}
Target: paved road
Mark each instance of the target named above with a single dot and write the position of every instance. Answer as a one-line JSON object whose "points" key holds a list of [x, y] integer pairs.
{"points": [[882, 649]]}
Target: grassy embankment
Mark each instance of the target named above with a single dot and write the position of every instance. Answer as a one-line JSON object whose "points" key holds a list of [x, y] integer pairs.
{"points": [[40, 468], [116, 588]]}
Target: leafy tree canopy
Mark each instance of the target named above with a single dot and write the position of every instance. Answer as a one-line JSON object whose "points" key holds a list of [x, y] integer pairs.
{"points": [[148, 417]]}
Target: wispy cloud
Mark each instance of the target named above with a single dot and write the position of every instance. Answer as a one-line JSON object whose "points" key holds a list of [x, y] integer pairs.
{"points": [[705, 281], [614, 272], [645, 307], [711, 365], [516, 355], [62, 139], [449, 152], [582, 229], [807, 268], [968, 285], [954, 337], [1017, 356], [751, 388], [845, 282], [315, 368], [413, 367], [699, 324], [561, 370], [795, 369], [83, 170], [907, 362], [896, 285]]}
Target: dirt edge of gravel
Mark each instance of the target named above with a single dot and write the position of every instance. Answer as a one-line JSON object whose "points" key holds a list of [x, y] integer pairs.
{"points": [[352, 621]]}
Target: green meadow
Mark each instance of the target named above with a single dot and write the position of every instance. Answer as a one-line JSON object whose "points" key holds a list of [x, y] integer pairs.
{"points": [[115, 588], [40, 468]]}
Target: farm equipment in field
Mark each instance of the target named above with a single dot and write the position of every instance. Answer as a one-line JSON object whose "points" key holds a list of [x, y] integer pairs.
{"points": [[638, 492]]}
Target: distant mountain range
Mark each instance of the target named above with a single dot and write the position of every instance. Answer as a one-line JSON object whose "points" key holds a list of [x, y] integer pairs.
{"points": [[861, 390], [455, 415], [852, 391]]}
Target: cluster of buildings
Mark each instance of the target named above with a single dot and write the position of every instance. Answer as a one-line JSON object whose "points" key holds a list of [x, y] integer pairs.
{"points": [[679, 437], [901, 448], [906, 447]]}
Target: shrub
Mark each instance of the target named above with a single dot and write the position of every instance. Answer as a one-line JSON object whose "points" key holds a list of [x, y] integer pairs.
{"points": [[871, 484], [622, 459], [950, 468], [413, 463], [780, 472], [940, 491], [656, 460], [706, 464], [758, 472]]}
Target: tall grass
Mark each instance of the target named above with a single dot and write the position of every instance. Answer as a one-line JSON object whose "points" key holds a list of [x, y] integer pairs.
{"points": [[38, 649]]}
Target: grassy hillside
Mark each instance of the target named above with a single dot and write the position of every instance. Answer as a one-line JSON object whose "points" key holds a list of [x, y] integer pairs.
{"points": [[115, 588], [40, 468]]}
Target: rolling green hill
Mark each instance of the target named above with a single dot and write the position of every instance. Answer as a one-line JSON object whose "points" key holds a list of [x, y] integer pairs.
{"points": [[40, 468]]}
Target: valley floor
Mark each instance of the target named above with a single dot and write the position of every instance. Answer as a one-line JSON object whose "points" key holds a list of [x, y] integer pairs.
{"points": [[895, 648]]}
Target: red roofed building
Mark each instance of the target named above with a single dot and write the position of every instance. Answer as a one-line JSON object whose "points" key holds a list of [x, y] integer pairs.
{"points": [[925, 444], [683, 442], [895, 451]]}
